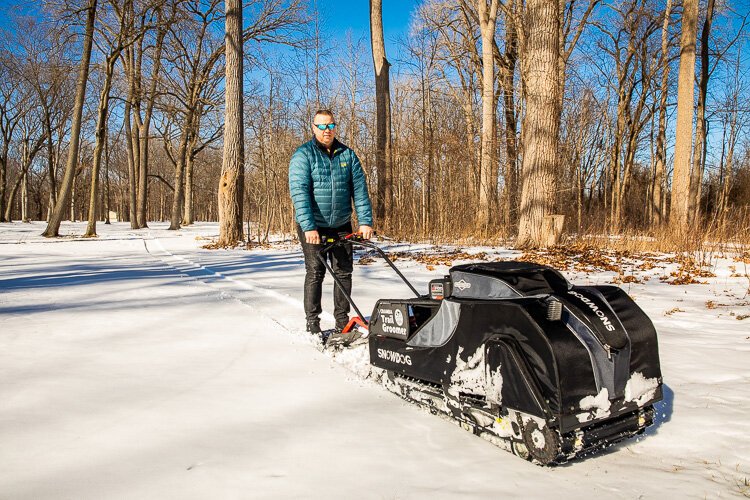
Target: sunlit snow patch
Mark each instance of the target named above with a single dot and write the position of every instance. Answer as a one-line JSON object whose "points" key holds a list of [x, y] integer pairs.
{"points": [[597, 406], [494, 385], [468, 375], [640, 389]]}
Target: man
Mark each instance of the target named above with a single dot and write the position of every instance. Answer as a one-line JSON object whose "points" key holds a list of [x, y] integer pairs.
{"points": [[324, 177]]}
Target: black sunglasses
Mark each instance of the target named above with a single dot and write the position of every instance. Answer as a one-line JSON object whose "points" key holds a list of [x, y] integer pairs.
{"points": [[323, 126]]}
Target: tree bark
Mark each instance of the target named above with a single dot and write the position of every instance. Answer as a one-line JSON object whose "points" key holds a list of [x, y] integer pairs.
{"points": [[487, 176], [101, 138], [231, 183], [699, 159], [383, 111], [680, 216], [660, 164], [28, 152], [51, 163], [53, 228], [145, 126], [3, 175], [188, 213], [128, 60], [132, 169], [539, 66], [507, 72], [179, 174]]}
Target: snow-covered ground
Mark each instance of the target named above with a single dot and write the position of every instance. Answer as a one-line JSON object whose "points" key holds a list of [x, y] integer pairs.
{"points": [[140, 365]]}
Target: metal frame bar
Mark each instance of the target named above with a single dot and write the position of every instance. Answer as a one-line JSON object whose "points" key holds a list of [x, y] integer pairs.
{"points": [[349, 239]]}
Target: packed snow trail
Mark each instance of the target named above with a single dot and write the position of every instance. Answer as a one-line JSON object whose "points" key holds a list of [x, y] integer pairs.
{"points": [[173, 373]]}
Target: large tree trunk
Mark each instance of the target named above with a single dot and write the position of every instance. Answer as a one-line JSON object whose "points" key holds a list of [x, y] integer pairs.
{"points": [[188, 213], [101, 139], [680, 216], [660, 165], [3, 180], [507, 72], [25, 197], [145, 126], [132, 164], [231, 183], [699, 158], [58, 212], [382, 111], [128, 61], [539, 66], [51, 163], [179, 174], [487, 184]]}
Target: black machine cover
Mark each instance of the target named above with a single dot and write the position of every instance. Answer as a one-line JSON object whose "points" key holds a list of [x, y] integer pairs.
{"points": [[550, 366]]}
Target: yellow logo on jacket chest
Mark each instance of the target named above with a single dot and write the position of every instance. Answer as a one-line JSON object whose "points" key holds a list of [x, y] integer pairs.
{"points": [[343, 164]]}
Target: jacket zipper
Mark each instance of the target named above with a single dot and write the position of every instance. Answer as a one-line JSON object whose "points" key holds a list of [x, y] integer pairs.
{"points": [[333, 186]]}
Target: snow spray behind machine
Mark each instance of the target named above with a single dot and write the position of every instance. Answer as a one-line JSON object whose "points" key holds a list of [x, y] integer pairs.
{"points": [[516, 354]]}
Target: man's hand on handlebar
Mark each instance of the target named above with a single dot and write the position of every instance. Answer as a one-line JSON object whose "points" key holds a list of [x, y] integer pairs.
{"points": [[366, 232], [312, 237]]}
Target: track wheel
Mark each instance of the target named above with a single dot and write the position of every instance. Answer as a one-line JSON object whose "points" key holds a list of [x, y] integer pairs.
{"points": [[542, 443], [520, 450]]}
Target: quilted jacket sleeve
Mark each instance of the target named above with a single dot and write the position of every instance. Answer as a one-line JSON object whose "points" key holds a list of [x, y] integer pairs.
{"points": [[361, 196], [300, 189]]}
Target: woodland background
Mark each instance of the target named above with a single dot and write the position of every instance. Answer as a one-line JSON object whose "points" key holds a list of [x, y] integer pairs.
{"points": [[469, 131]]}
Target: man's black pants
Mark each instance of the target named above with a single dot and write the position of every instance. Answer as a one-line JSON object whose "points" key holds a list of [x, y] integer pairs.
{"points": [[341, 261]]}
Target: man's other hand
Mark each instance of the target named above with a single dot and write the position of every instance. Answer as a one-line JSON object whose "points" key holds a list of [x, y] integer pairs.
{"points": [[366, 231], [312, 237]]}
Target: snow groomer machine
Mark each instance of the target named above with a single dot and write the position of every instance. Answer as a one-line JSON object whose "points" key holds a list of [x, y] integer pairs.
{"points": [[516, 354]]}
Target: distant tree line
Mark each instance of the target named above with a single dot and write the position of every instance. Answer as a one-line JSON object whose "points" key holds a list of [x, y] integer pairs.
{"points": [[497, 118]]}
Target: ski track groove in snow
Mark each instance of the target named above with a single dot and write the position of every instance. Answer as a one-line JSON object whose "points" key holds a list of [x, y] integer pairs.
{"points": [[201, 274]]}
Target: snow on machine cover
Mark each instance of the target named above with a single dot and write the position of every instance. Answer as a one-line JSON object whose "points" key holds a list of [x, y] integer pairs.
{"points": [[515, 353]]}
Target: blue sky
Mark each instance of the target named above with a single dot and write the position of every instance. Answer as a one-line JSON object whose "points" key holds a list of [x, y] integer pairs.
{"points": [[341, 15]]}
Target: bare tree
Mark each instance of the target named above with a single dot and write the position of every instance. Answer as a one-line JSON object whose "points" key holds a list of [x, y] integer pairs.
{"points": [[192, 81], [629, 45], [658, 190], [11, 111], [734, 119], [383, 110], [539, 68], [53, 227], [32, 139], [680, 216], [488, 171], [507, 61], [116, 37], [231, 184], [701, 133], [41, 65], [144, 123]]}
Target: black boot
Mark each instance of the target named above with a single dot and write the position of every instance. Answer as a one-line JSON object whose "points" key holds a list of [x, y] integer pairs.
{"points": [[341, 324], [314, 327]]}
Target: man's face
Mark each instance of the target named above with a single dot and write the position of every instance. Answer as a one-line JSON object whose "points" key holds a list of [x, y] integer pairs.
{"points": [[326, 136]]}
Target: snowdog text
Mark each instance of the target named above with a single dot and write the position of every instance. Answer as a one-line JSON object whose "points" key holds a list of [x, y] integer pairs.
{"points": [[395, 357]]}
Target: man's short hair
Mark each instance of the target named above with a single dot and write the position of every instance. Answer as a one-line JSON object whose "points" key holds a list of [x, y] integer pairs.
{"points": [[324, 112]]}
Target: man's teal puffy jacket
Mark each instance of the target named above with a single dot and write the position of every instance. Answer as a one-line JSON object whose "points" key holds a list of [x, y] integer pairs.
{"points": [[323, 186]]}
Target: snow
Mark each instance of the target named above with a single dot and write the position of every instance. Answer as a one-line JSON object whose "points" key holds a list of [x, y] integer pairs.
{"points": [[469, 375], [140, 365], [640, 389], [597, 406]]}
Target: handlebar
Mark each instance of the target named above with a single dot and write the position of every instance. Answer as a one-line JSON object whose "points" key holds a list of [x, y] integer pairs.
{"points": [[356, 239]]}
